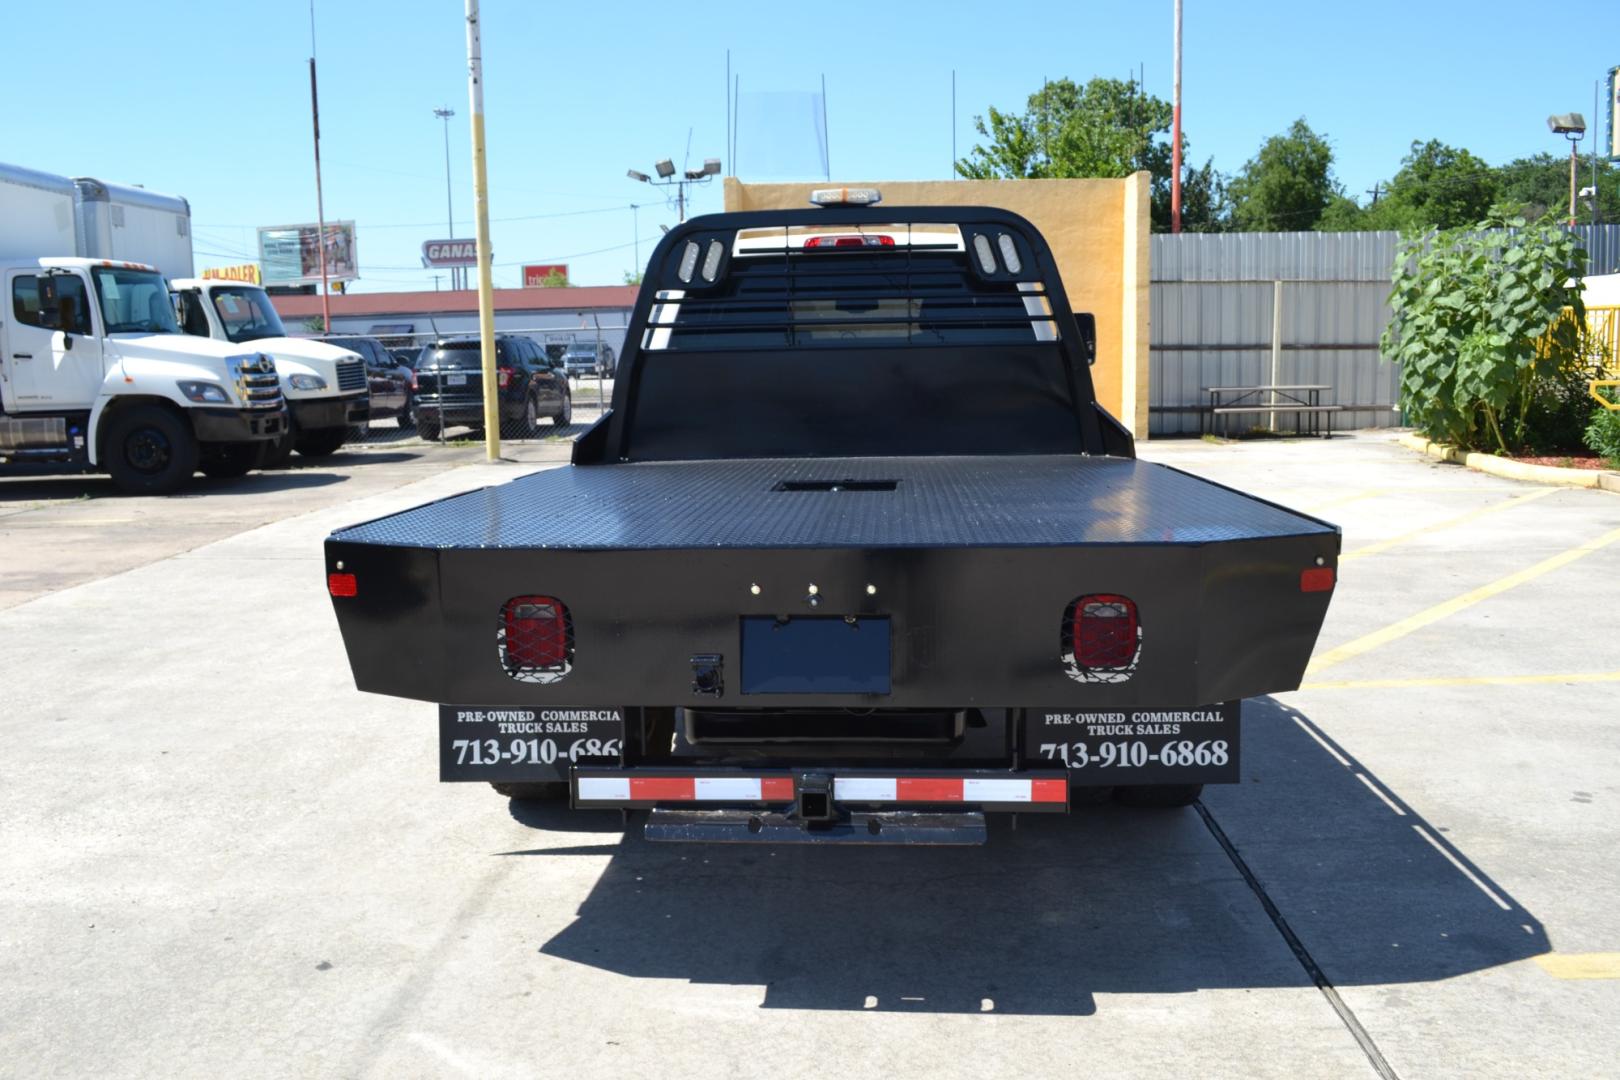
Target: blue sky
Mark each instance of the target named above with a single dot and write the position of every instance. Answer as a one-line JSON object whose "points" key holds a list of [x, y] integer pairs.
{"points": [[211, 100]]}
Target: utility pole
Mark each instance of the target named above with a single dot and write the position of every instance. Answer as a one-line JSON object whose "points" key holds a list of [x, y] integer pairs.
{"points": [[486, 294], [445, 113], [320, 205], [1376, 190], [1175, 135]]}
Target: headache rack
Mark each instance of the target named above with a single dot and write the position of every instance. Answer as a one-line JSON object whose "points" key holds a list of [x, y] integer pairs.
{"points": [[793, 287]]}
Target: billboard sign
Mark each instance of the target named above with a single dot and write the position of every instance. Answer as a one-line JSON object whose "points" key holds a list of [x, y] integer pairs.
{"points": [[248, 272], [290, 255], [441, 253], [535, 274]]}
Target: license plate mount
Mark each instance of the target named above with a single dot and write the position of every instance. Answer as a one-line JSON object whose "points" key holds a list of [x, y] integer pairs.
{"points": [[815, 655]]}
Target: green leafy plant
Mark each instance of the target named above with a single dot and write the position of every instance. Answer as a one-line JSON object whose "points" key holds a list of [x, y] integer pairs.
{"points": [[1478, 322], [1603, 436]]}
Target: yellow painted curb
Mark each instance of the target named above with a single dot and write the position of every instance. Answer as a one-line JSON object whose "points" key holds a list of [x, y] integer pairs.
{"points": [[1512, 470]]}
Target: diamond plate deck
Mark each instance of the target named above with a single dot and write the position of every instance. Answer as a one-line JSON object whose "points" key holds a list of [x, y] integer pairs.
{"points": [[1011, 501]]}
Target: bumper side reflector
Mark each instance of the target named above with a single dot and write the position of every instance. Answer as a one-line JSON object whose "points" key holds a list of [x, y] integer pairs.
{"points": [[1316, 579], [342, 585]]}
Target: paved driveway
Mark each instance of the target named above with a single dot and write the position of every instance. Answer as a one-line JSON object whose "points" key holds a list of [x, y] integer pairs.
{"points": [[222, 860]]}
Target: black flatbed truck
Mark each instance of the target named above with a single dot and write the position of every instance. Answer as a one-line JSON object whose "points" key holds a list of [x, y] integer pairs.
{"points": [[855, 555]]}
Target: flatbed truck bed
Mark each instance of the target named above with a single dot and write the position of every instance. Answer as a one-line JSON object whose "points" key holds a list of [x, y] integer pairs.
{"points": [[854, 554]]}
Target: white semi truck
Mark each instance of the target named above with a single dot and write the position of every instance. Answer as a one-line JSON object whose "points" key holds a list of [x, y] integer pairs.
{"points": [[94, 370], [325, 386]]}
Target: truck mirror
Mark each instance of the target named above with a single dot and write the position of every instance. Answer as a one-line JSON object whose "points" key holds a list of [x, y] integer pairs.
{"points": [[66, 319], [1088, 336]]}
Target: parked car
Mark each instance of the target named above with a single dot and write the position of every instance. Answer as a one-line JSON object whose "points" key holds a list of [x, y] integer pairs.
{"points": [[389, 380], [583, 358], [449, 386], [407, 356]]}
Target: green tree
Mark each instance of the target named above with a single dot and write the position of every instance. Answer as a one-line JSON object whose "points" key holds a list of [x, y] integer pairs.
{"points": [[632, 277], [1105, 128], [1288, 185], [555, 279], [1540, 184], [1437, 187], [1343, 214]]}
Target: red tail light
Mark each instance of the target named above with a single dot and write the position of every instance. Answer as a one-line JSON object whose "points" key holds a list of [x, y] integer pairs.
{"points": [[1104, 632], [414, 386], [503, 377], [824, 242], [537, 638], [342, 585], [1316, 579]]}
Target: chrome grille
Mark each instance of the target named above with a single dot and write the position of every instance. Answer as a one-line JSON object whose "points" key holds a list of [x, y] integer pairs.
{"points": [[261, 390], [351, 375]]}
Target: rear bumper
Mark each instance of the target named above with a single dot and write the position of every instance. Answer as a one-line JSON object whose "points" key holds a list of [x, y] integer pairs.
{"points": [[337, 412], [844, 790], [238, 425], [466, 411]]}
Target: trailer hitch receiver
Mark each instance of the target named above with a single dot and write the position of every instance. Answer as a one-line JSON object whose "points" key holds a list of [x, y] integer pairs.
{"points": [[815, 801]]}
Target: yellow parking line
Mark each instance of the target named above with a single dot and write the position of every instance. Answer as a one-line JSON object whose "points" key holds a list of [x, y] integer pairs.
{"points": [[1466, 680], [1371, 493], [1590, 965], [1506, 504], [1414, 623]]}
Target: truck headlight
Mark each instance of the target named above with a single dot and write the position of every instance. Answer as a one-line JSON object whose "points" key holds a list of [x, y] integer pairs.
{"points": [[306, 382], [205, 392]]}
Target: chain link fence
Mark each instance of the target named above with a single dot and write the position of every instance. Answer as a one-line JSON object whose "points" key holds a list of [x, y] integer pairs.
{"points": [[426, 389]]}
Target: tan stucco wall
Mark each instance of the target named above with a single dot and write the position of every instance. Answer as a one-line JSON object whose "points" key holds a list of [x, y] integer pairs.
{"points": [[1098, 230]]}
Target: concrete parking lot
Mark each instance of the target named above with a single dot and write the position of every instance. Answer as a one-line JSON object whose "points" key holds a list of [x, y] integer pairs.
{"points": [[220, 859]]}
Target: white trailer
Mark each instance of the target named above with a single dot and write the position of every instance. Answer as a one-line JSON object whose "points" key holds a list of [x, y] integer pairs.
{"points": [[130, 223]]}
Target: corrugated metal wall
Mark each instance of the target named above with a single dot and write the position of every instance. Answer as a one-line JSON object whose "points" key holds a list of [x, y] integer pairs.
{"points": [[1212, 305]]}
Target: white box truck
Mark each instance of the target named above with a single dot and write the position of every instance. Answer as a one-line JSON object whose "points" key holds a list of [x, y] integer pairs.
{"points": [[325, 386], [94, 370]]}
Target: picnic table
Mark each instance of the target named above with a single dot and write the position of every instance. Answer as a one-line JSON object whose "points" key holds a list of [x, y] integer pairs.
{"points": [[1304, 400]]}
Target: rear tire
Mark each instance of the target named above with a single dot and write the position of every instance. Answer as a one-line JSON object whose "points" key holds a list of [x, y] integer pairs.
{"points": [[149, 451], [227, 461], [550, 789], [566, 416], [427, 430], [1158, 795], [322, 442]]}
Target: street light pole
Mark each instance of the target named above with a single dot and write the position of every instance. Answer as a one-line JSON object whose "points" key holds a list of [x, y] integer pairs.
{"points": [[445, 113], [1571, 126], [667, 178], [1175, 135]]}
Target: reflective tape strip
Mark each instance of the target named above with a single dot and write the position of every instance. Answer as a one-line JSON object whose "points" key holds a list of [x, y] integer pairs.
{"points": [[673, 788], [745, 788], [849, 789], [604, 788], [996, 790], [686, 788], [928, 789], [949, 789], [863, 789]]}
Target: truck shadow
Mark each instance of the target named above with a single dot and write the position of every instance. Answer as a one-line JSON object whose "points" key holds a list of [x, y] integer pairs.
{"points": [[1053, 913]]}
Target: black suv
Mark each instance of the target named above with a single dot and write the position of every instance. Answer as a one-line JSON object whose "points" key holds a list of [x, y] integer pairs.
{"points": [[449, 386]]}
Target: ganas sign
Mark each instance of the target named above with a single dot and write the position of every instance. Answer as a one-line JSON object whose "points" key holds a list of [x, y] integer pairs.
{"points": [[450, 253]]}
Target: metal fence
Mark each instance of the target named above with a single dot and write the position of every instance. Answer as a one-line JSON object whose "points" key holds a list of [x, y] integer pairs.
{"points": [[1263, 309], [397, 420]]}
